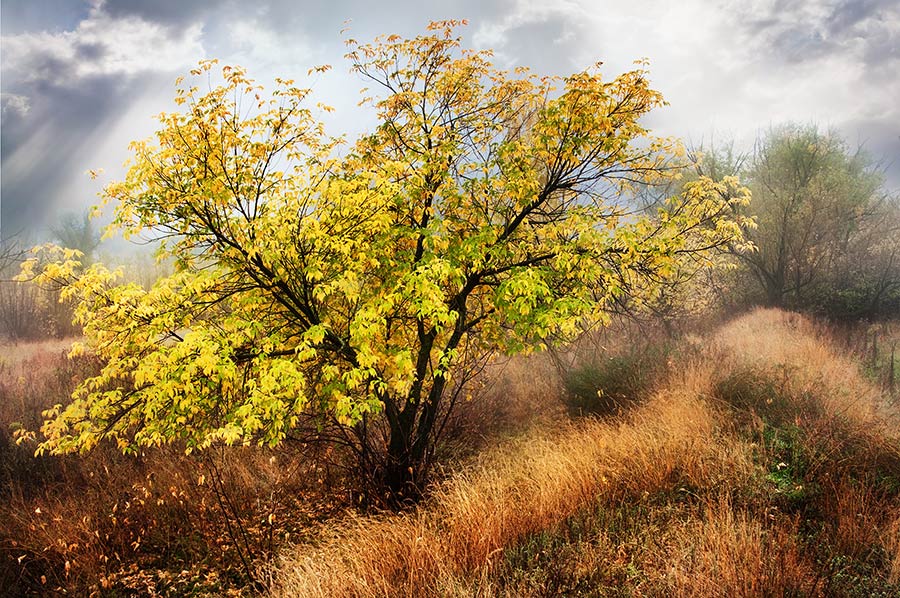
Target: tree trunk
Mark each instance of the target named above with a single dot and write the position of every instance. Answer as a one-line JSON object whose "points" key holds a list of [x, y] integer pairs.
{"points": [[409, 449], [397, 476], [774, 296]]}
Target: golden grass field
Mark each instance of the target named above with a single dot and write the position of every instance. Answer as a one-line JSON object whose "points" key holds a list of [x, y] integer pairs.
{"points": [[761, 461], [681, 497]]}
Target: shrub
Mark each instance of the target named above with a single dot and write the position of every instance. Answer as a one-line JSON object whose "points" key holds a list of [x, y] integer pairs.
{"points": [[608, 384]]}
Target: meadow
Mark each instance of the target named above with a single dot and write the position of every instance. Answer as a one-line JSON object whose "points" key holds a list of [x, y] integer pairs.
{"points": [[760, 457]]}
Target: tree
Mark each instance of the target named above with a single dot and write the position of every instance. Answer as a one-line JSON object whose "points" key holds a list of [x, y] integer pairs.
{"points": [[18, 307], [27, 310], [76, 231], [487, 210], [820, 209]]}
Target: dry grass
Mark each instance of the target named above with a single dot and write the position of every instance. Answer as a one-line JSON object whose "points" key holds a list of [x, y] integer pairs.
{"points": [[780, 482], [762, 463], [891, 542], [732, 553], [145, 525], [528, 486], [846, 424]]}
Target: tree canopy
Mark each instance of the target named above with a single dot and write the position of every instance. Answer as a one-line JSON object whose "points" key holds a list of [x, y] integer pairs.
{"points": [[827, 229], [487, 210]]}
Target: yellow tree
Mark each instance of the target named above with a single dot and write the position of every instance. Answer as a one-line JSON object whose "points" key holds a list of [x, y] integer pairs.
{"points": [[486, 211]]}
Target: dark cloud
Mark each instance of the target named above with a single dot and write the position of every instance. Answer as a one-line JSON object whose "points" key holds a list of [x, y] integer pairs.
{"points": [[848, 14], [91, 52], [43, 148], [177, 13], [795, 31], [16, 123], [18, 16]]}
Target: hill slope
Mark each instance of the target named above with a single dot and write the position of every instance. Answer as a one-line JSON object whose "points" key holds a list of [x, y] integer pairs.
{"points": [[763, 465]]}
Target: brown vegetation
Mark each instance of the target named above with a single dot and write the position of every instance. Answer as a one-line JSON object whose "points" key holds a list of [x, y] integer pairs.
{"points": [[153, 524], [758, 461], [766, 465], [162, 523]]}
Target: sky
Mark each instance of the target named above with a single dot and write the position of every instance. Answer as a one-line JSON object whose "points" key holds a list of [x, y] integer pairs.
{"points": [[80, 79]]}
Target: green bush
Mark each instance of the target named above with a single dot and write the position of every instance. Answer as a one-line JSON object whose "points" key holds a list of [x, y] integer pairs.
{"points": [[608, 384]]}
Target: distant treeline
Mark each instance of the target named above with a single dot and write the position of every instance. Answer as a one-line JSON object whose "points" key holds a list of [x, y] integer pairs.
{"points": [[828, 229], [827, 239]]}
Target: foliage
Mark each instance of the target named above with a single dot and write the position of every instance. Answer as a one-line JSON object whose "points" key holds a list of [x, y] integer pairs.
{"points": [[827, 230], [487, 210], [606, 384]]}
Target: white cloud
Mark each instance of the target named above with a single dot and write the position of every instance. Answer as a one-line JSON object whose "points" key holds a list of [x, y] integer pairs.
{"points": [[525, 12], [255, 44], [12, 104], [101, 45]]}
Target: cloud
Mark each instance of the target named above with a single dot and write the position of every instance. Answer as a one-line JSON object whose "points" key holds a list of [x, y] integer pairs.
{"points": [[866, 30], [63, 90], [847, 15], [826, 61], [14, 106], [101, 45], [543, 36], [171, 13], [46, 150], [252, 42], [27, 15], [81, 79]]}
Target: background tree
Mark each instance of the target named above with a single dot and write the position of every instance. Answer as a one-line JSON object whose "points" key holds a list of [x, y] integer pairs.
{"points": [[822, 213], [693, 292], [77, 231], [29, 311], [487, 210], [18, 308]]}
